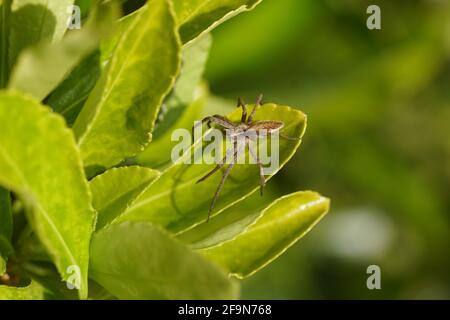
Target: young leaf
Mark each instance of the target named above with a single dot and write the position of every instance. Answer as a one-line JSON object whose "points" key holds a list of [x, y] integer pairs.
{"points": [[39, 161], [185, 203], [6, 225], [33, 292], [135, 260], [114, 190], [119, 115], [282, 223], [41, 68], [195, 56], [34, 21], [195, 17], [198, 16]]}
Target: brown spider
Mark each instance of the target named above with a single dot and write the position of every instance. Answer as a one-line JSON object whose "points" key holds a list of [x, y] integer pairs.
{"points": [[236, 130]]}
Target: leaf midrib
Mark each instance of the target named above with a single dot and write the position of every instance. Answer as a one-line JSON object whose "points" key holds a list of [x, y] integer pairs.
{"points": [[120, 71], [202, 6], [118, 198], [74, 104], [288, 215]]}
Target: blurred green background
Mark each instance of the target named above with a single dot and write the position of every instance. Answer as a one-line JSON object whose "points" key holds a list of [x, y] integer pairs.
{"points": [[377, 144]]}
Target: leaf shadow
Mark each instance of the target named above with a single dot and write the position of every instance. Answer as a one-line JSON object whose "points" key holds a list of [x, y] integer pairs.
{"points": [[23, 29], [176, 181]]}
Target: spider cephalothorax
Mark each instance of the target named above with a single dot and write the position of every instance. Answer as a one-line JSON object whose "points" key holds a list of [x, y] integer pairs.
{"points": [[245, 129]]}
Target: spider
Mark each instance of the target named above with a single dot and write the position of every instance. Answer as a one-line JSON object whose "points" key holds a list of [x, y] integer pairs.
{"points": [[235, 131]]}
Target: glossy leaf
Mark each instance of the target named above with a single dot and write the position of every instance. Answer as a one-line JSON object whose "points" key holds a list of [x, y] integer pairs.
{"points": [[195, 17], [6, 225], [177, 203], [34, 144], [114, 190], [229, 224], [198, 16], [166, 269], [32, 292], [282, 223], [40, 69], [34, 21], [119, 115]]}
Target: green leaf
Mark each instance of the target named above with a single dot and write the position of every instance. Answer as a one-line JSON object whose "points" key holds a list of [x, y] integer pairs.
{"points": [[34, 21], [198, 16], [108, 46], [282, 223], [229, 224], [185, 203], [33, 292], [114, 190], [5, 16], [119, 115], [46, 275], [41, 68], [195, 17], [89, 73], [195, 56], [6, 225], [97, 292], [39, 161], [5, 214], [187, 88], [70, 96], [158, 153], [135, 260], [85, 6]]}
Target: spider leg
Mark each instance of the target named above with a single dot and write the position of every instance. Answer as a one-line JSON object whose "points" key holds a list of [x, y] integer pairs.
{"points": [[242, 104], [262, 178], [220, 120], [219, 166], [219, 188], [223, 121], [257, 105], [289, 138], [198, 124], [209, 174], [222, 182]]}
